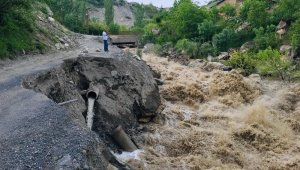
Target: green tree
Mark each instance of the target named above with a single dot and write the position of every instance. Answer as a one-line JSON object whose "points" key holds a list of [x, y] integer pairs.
{"points": [[255, 12], [265, 38], [225, 40], [139, 13], [294, 35], [189, 47], [228, 10], [207, 29], [287, 10], [269, 61], [109, 11], [184, 18]]}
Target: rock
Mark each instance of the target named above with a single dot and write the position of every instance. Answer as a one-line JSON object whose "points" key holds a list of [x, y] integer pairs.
{"points": [[51, 19], [62, 46], [67, 45], [98, 50], [247, 46], [137, 57], [148, 48], [285, 48], [281, 32], [114, 74], [287, 51], [242, 27], [255, 77], [159, 81], [155, 31], [282, 25], [61, 40], [226, 68], [57, 46], [65, 162], [224, 56]]}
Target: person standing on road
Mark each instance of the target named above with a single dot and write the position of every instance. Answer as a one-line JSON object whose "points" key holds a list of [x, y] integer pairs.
{"points": [[105, 40]]}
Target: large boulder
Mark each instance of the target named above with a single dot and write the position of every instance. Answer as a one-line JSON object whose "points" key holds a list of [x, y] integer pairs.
{"points": [[287, 50], [281, 25], [224, 56], [247, 46]]}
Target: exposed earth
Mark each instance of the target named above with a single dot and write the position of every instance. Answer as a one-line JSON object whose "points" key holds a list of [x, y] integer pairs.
{"points": [[36, 133]]}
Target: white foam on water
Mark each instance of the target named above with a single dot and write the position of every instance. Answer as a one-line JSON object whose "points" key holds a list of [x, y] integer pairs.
{"points": [[126, 156]]}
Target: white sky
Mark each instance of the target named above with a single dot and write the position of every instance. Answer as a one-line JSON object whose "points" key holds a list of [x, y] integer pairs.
{"points": [[165, 3]]}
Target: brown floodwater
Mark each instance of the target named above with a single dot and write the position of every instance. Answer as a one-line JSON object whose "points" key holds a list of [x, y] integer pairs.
{"points": [[220, 120]]}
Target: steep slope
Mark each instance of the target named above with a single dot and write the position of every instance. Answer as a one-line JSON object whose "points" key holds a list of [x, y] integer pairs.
{"points": [[28, 27], [123, 14]]}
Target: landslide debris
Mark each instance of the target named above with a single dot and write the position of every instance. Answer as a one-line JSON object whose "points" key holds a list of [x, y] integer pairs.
{"points": [[127, 92]]}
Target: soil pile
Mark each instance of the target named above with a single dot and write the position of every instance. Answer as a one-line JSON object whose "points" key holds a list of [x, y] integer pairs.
{"points": [[127, 91], [234, 122]]}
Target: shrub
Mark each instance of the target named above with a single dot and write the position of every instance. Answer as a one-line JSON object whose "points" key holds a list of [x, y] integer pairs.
{"points": [[189, 47], [265, 38], [114, 28], [225, 40], [96, 28], [148, 37], [270, 62], [206, 49], [246, 61]]}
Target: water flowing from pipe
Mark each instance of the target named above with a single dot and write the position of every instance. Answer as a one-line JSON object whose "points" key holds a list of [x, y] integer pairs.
{"points": [[90, 113]]}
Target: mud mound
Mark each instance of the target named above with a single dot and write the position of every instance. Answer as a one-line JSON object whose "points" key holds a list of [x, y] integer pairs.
{"points": [[232, 86], [127, 91]]}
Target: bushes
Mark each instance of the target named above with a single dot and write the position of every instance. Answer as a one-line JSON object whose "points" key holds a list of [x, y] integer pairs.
{"points": [[225, 40], [96, 28], [270, 62], [70, 13], [15, 30], [206, 49], [113, 28], [189, 47], [265, 38], [246, 61]]}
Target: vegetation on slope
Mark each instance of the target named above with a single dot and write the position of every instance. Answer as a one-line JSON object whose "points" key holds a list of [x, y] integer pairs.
{"points": [[15, 26], [202, 31]]}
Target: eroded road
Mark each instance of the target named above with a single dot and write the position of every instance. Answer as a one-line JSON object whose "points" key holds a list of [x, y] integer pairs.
{"points": [[36, 133]]}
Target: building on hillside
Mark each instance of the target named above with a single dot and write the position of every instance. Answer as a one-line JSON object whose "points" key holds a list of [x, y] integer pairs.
{"points": [[220, 3]]}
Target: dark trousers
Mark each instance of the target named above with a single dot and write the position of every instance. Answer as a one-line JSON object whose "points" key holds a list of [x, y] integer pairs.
{"points": [[105, 45]]}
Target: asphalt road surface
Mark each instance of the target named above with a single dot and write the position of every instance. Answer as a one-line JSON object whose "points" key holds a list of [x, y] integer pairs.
{"points": [[36, 133]]}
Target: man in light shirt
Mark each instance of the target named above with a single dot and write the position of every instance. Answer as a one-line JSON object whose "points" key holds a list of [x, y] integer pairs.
{"points": [[105, 40]]}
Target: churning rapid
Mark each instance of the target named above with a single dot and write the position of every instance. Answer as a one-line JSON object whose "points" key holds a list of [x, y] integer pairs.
{"points": [[214, 119]]}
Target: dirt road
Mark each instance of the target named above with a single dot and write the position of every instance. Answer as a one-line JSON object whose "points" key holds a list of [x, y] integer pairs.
{"points": [[34, 131]]}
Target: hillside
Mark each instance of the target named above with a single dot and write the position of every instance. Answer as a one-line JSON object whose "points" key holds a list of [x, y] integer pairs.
{"points": [[29, 28], [123, 14]]}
